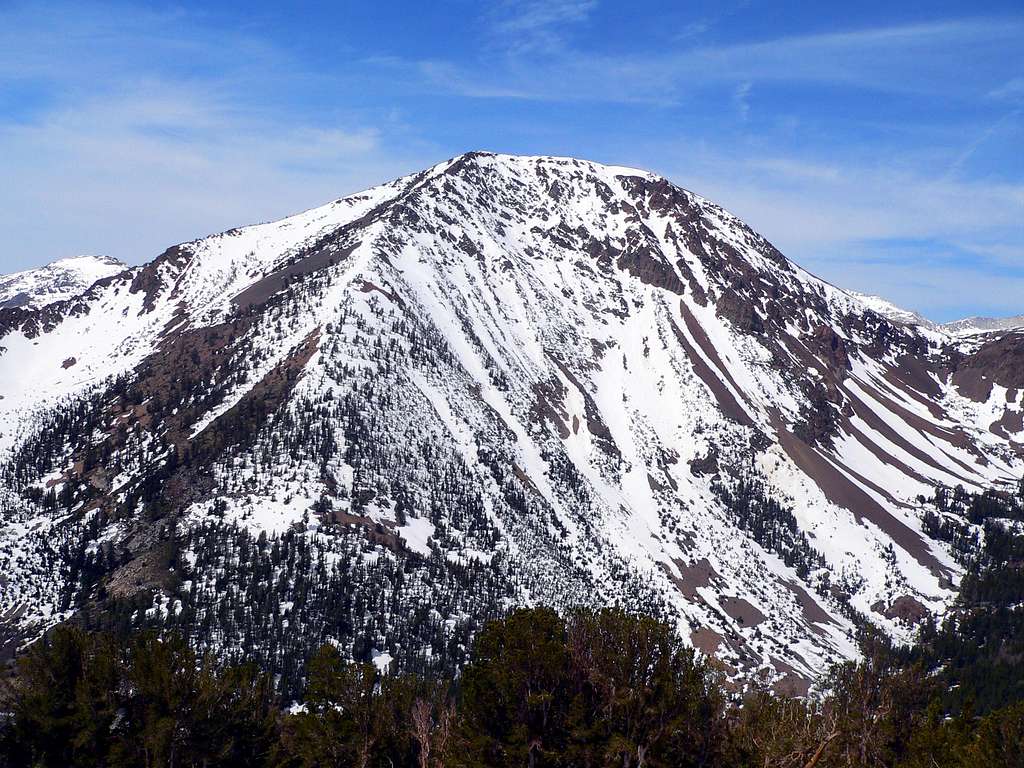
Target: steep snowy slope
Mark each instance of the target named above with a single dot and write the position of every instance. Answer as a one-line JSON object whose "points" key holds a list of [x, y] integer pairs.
{"points": [[56, 281], [501, 380]]}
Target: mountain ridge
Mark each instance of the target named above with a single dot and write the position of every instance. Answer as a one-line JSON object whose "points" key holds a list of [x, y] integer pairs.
{"points": [[56, 281]]}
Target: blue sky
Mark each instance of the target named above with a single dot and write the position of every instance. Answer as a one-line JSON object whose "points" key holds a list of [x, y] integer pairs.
{"points": [[880, 145]]}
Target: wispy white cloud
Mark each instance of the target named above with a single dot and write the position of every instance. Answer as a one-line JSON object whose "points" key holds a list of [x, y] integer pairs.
{"points": [[932, 58], [941, 292], [540, 15], [1008, 254], [537, 25], [128, 155], [978, 141], [806, 203], [129, 178], [741, 97], [1012, 90]]}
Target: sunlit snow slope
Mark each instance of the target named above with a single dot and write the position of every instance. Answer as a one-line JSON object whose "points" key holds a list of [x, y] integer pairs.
{"points": [[58, 280], [577, 380]]}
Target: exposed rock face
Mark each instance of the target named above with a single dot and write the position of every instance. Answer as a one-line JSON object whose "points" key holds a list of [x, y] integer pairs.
{"points": [[905, 608], [998, 360], [740, 312], [499, 380], [830, 348], [641, 262]]}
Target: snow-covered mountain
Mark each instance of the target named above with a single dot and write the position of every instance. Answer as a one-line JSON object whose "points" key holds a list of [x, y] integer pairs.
{"points": [[57, 281], [501, 380], [892, 312], [974, 325], [968, 326]]}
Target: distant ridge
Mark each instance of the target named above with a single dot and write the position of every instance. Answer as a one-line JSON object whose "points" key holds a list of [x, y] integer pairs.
{"points": [[56, 281]]}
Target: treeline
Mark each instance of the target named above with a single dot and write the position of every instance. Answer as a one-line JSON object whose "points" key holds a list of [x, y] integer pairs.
{"points": [[599, 688], [273, 600], [977, 651]]}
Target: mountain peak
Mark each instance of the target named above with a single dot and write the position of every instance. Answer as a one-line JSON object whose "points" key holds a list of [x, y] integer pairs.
{"points": [[544, 164], [970, 326], [893, 312], [59, 280]]}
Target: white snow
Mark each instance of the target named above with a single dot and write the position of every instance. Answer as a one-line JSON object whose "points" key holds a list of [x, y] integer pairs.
{"points": [[56, 281], [416, 533]]}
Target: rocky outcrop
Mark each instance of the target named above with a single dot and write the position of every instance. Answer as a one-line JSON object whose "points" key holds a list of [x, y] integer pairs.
{"points": [[998, 360], [739, 311]]}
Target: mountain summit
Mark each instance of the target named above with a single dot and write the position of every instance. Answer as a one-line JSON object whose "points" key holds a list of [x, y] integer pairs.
{"points": [[502, 380], [58, 280]]}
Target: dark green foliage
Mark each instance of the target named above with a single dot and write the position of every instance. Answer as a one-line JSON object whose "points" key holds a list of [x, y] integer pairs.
{"points": [[978, 649], [999, 739], [876, 706], [82, 700], [342, 724], [640, 697], [516, 692], [353, 716], [66, 701], [596, 688]]}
